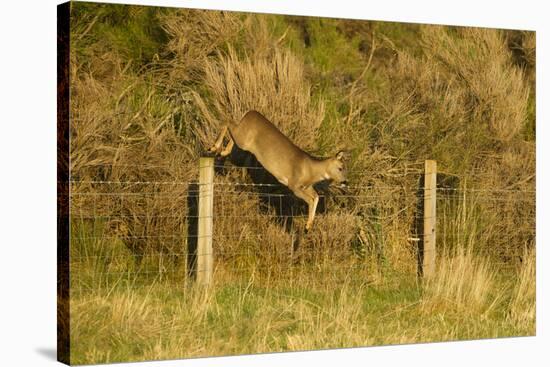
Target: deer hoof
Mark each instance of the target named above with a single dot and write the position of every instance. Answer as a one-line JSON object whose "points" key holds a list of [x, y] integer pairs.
{"points": [[213, 150]]}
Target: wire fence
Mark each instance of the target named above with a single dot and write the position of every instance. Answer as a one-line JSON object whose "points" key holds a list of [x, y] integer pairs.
{"points": [[142, 233]]}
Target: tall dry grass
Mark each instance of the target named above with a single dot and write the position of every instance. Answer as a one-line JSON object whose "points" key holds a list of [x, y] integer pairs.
{"points": [[193, 36], [464, 281], [273, 84], [124, 130], [463, 91], [151, 125], [458, 98], [522, 305], [481, 63], [266, 314]]}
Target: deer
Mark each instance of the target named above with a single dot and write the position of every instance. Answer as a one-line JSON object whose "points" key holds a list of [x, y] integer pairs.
{"points": [[290, 165]]}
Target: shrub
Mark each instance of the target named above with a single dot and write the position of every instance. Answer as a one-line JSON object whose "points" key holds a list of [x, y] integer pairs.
{"points": [[274, 85], [482, 65]]}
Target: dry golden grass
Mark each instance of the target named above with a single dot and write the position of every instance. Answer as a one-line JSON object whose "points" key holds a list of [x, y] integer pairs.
{"points": [[480, 61], [124, 131], [152, 126], [463, 281], [273, 84], [257, 313], [194, 35], [352, 280], [523, 305]]}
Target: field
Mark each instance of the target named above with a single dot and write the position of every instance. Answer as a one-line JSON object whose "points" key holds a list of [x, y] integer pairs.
{"points": [[151, 87], [128, 318]]}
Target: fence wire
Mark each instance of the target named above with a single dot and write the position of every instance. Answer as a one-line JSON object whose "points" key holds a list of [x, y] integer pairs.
{"points": [[141, 233]]}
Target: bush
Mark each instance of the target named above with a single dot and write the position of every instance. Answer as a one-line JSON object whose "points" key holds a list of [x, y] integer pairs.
{"points": [[454, 95], [274, 85]]}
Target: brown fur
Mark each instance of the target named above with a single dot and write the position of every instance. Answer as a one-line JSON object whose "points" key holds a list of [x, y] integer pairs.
{"points": [[289, 164]]}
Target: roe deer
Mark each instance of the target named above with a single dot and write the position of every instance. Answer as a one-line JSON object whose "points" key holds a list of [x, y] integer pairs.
{"points": [[289, 164]]}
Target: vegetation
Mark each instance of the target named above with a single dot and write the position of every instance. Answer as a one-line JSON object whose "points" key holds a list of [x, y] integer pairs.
{"points": [[150, 89]]}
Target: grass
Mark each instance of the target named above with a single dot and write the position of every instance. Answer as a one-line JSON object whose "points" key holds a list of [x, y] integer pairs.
{"points": [[149, 90], [122, 313], [171, 318]]}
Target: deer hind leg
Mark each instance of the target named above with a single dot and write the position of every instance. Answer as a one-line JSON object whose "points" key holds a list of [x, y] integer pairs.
{"points": [[217, 147], [228, 148]]}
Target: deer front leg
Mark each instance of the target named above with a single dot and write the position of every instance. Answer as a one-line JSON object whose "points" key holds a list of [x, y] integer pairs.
{"points": [[216, 148], [312, 206], [311, 198]]}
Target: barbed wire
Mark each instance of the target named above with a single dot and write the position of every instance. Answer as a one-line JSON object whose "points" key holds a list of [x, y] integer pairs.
{"points": [[376, 206], [251, 184], [445, 234]]}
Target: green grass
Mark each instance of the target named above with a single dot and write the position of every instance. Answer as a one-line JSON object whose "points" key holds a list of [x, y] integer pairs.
{"points": [[175, 320], [144, 315], [134, 33]]}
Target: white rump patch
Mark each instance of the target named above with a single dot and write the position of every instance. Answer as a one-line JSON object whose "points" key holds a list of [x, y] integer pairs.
{"points": [[284, 181]]}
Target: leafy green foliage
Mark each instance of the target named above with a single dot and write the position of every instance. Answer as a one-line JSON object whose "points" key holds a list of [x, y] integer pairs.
{"points": [[132, 32]]}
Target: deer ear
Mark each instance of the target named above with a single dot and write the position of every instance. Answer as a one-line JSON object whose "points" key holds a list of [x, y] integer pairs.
{"points": [[340, 155]]}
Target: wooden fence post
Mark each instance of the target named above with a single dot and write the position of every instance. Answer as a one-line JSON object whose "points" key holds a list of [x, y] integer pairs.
{"points": [[206, 205], [430, 188]]}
